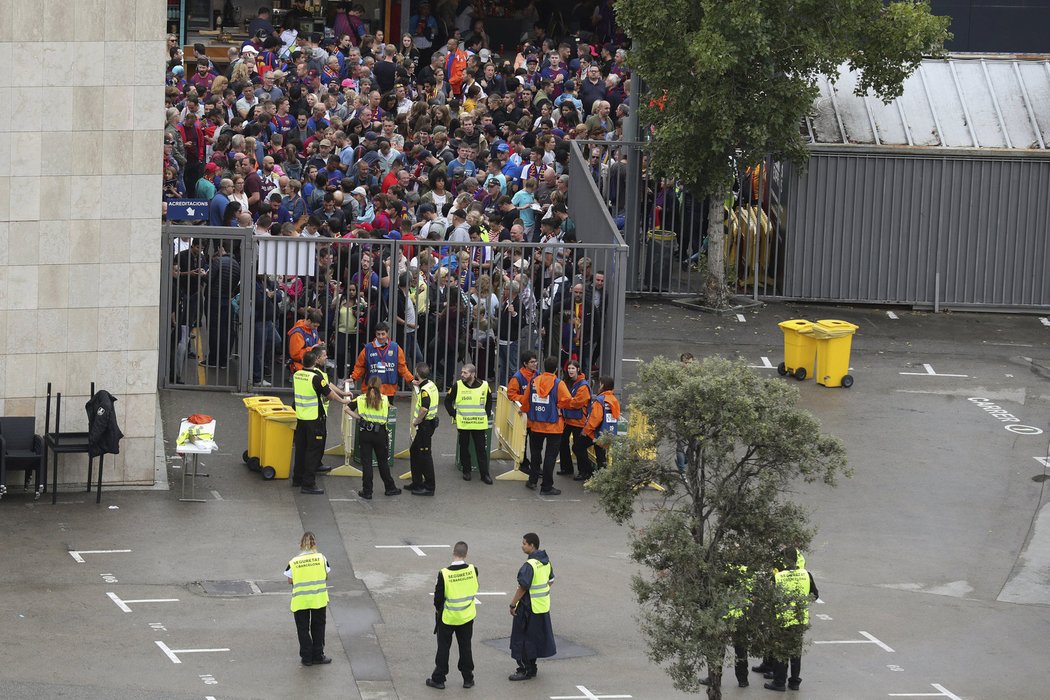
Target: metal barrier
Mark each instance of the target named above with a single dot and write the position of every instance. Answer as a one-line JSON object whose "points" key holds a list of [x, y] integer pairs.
{"points": [[247, 301], [665, 227]]}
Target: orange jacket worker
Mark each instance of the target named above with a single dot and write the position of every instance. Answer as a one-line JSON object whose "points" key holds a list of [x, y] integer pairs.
{"points": [[603, 414], [384, 359], [302, 337], [544, 398]]}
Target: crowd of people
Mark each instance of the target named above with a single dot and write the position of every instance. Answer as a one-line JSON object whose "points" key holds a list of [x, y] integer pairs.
{"points": [[409, 163]]}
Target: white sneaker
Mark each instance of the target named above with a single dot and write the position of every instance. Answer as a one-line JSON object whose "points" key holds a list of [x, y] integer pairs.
{"points": [[264, 383]]}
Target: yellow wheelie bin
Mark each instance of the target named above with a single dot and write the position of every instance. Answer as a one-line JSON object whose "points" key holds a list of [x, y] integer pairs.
{"points": [[800, 349], [253, 403], [278, 432], [834, 339]]}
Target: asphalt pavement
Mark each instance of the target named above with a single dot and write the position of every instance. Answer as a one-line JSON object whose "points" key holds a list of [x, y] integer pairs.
{"points": [[933, 561]]}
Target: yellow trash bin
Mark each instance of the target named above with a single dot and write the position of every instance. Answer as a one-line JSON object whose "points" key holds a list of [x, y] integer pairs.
{"points": [[278, 432], [800, 349], [834, 339], [255, 424]]}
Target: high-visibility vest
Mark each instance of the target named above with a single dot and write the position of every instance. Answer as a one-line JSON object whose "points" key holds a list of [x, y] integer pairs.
{"points": [[543, 409], [430, 389], [574, 413], [609, 420], [747, 582], [540, 589], [794, 582], [461, 586], [373, 415], [470, 406], [309, 581], [382, 362], [306, 399]]}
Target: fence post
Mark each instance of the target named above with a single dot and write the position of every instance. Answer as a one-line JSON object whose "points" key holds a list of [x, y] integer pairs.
{"points": [[167, 260], [247, 310]]}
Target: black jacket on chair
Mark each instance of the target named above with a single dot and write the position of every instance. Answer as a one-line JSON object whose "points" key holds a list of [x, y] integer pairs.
{"points": [[103, 434]]}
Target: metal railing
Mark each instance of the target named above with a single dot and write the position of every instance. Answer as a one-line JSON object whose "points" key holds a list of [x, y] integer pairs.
{"points": [[232, 300], [665, 226]]}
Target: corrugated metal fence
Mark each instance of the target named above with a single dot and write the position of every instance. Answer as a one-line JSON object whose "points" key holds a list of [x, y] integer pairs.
{"points": [[959, 230]]}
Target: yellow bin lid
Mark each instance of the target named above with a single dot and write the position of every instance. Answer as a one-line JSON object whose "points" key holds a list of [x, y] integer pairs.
{"points": [[252, 401], [831, 328], [283, 414], [799, 325]]}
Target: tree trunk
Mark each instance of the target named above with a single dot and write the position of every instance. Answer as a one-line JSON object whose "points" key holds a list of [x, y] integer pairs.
{"points": [[715, 294], [714, 690]]}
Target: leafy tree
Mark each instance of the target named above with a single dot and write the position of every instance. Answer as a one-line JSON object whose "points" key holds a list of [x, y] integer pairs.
{"points": [[745, 442], [734, 79]]}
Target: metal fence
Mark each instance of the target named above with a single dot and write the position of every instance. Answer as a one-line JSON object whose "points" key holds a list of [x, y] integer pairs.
{"points": [[665, 226], [233, 302]]}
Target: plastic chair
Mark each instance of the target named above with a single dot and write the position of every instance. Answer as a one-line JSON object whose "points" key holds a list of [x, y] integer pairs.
{"points": [[21, 448]]}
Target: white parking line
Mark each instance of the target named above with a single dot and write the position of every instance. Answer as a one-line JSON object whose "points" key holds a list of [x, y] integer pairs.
{"points": [[891, 315], [417, 548], [173, 653], [944, 693], [740, 318], [766, 364], [216, 495], [75, 553], [1045, 321], [931, 373], [870, 640], [123, 604], [587, 695]]}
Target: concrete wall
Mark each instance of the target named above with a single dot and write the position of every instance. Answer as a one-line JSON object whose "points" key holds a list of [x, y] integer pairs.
{"points": [[80, 184]]}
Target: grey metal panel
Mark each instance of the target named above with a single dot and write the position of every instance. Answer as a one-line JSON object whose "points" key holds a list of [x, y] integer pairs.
{"points": [[878, 229]]}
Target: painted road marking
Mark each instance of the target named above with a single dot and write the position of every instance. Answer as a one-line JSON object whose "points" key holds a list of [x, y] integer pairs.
{"points": [[822, 616], [587, 695], [943, 693], [1045, 321], [1001, 414], [631, 359], [75, 553], [891, 315], [740, 318], [930, 373], [173, 653], [1045, 461], [216, 495], [870, 640], [123, 604], [766, 364], [417, 548]]}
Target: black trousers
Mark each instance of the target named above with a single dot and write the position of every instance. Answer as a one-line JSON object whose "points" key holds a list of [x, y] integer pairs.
{"points": [[567, 450], [375, 442], [740, 651], [309, 442], [544, 469], [421, 458], [780, 666], [463, 634], [479, 438], [310, 626], [583, 458], [219, 332], [526, 465]]}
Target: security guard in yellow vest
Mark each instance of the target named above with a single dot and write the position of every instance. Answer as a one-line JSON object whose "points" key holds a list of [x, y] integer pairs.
{"points": [[308, 575], [424, 423], [312, 392], [372, 410], [470, 403], [798, 583], [457, 584], [531, 634]]}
